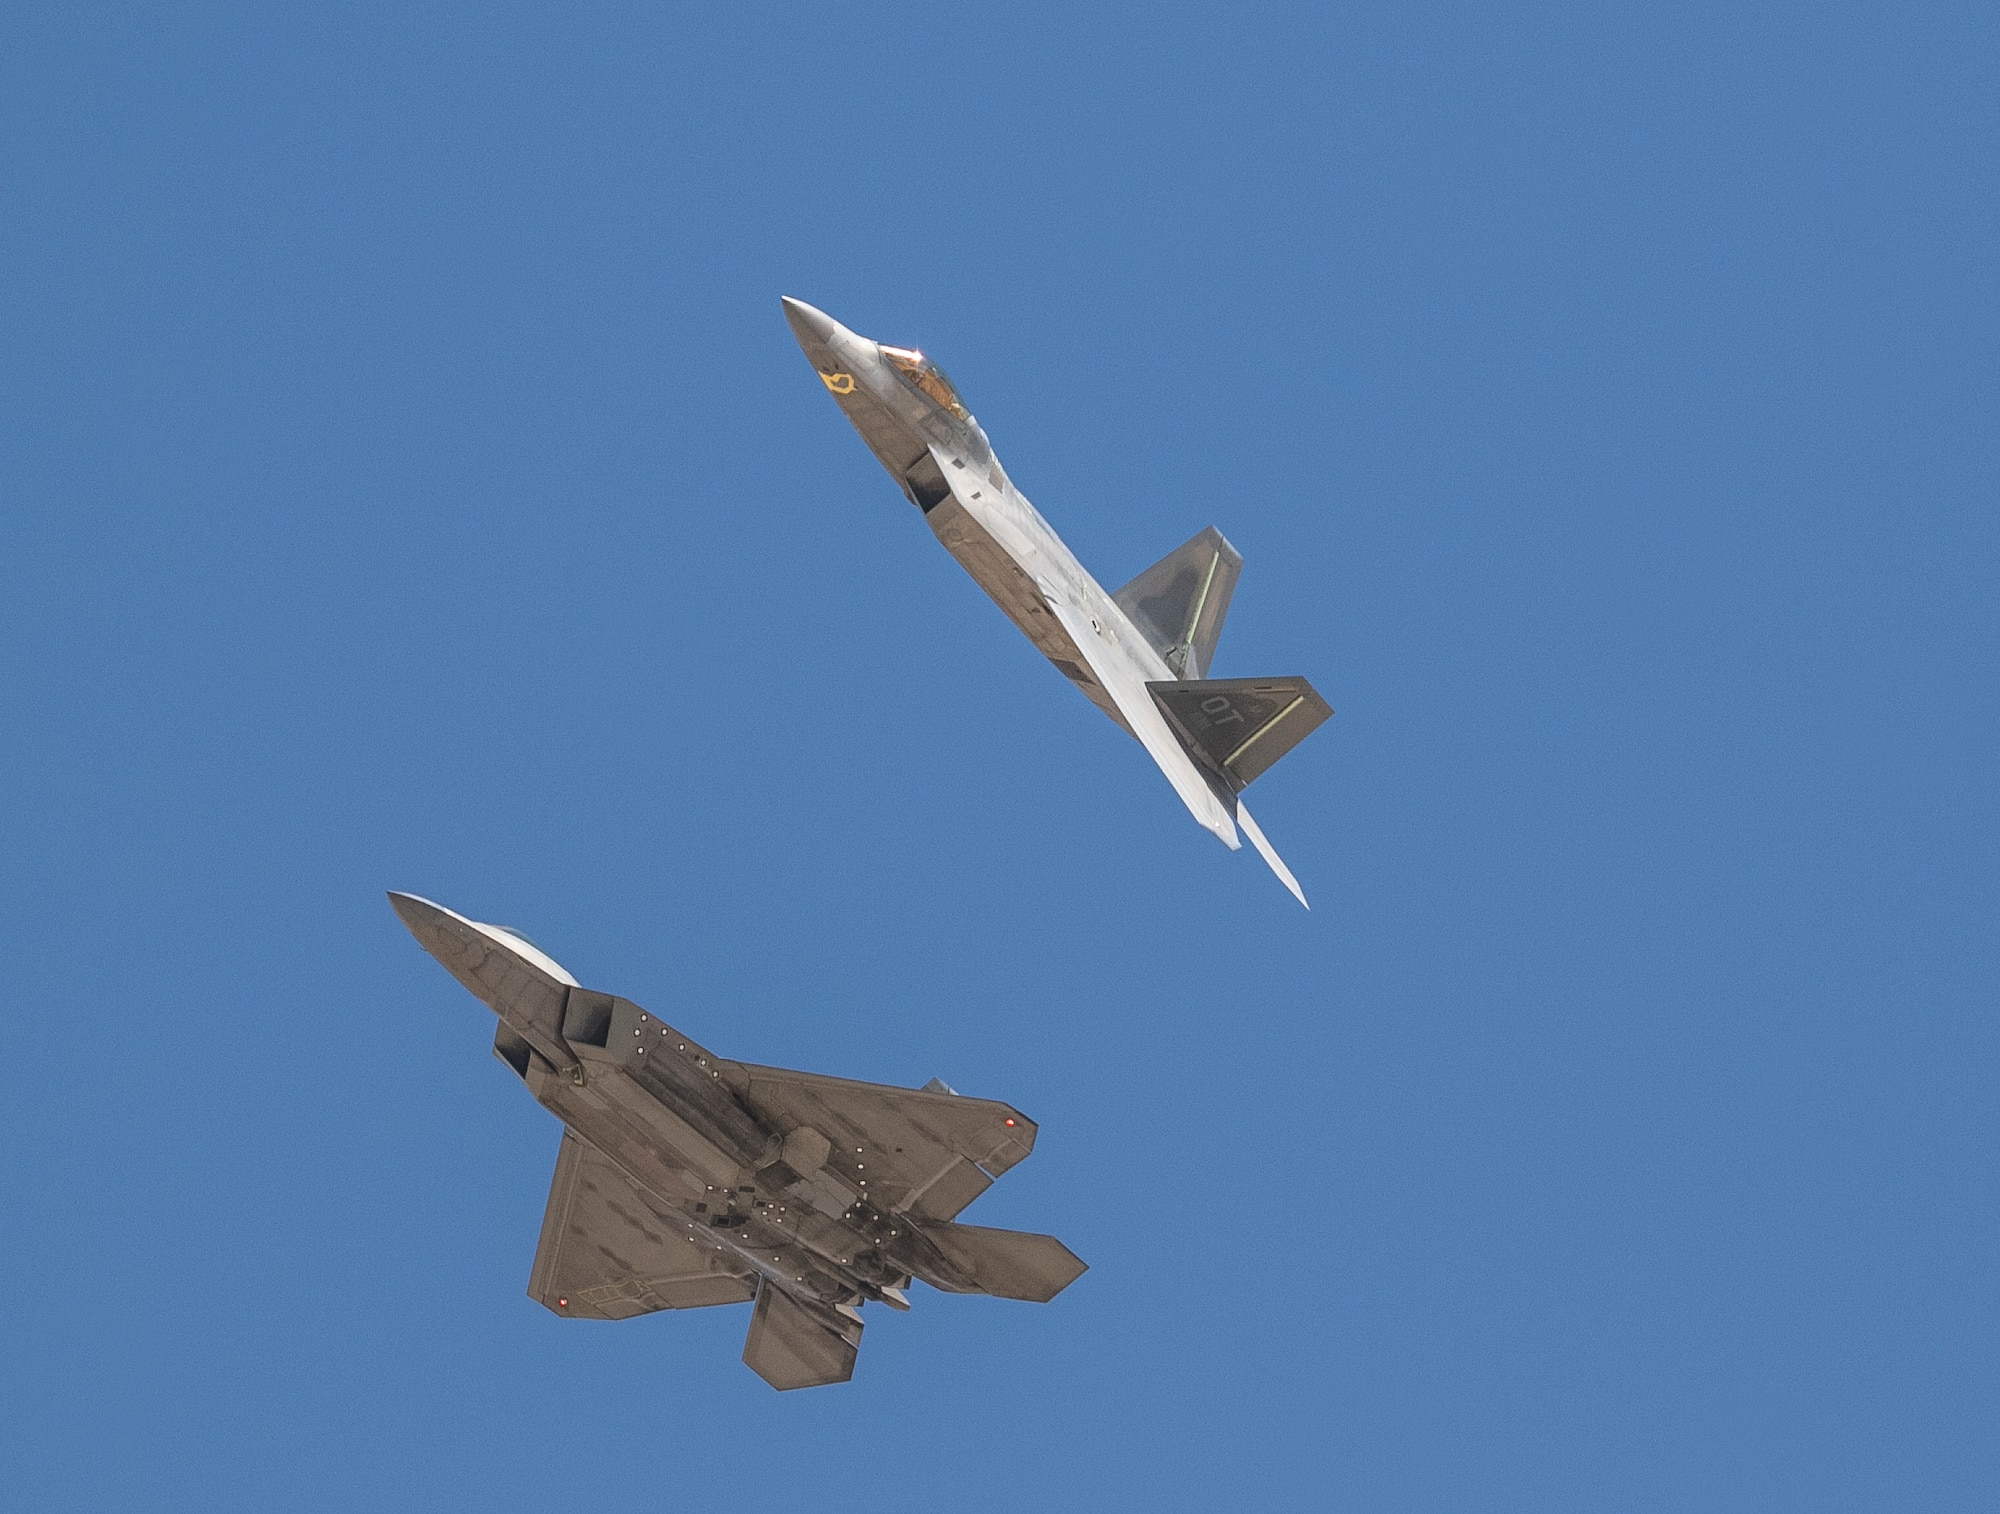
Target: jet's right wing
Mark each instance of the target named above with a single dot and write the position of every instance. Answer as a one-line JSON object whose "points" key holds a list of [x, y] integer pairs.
{"points": [[610, 1251]]}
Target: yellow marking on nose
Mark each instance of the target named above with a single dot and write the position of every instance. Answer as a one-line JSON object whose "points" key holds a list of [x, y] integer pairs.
{"points": [[839, 383]]}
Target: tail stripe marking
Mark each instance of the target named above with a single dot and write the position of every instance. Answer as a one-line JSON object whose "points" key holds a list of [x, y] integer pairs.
{"points": [[1262, 731]]}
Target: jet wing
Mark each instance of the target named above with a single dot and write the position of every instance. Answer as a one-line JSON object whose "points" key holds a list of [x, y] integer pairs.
{"points": [[610, 1251], [905, 1149]]}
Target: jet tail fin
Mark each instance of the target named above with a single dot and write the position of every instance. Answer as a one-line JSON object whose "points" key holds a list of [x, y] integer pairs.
{"points": [[1179, 602], [1237, 728]]}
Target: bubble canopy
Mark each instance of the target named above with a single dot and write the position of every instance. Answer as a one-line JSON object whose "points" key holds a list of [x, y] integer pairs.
{"points": [[927, 377]]}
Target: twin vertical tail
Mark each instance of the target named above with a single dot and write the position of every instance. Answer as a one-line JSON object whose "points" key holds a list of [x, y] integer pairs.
{"points": [[1179, 602], [1238, 728], [1234, 728]]}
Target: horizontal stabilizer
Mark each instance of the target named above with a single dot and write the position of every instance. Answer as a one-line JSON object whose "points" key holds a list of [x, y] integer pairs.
{"points": [[1238, 727], [1179, 602], [1008, 1263], [793, 1345], [1268, 852]]}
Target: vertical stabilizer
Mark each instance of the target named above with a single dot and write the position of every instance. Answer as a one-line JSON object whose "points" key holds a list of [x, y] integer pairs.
{"points": [[1179, 602]]}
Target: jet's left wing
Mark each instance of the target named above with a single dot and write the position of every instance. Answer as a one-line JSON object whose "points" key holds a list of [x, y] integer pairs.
{"points": [[609, 1251], [905, 1149]]}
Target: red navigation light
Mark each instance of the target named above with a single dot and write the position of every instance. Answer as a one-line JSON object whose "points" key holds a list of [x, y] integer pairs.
{"points": [[562, 1303], [1010, 1122]]}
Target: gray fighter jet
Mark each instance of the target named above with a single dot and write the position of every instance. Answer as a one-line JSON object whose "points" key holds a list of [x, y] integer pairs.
{"points": [[685, 1180], [1140, 655]]}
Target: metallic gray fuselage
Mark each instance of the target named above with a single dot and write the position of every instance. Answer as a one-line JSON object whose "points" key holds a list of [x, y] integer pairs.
{"points": [[986, 523], [668, 1114], [945, 465], [653, 1103]]}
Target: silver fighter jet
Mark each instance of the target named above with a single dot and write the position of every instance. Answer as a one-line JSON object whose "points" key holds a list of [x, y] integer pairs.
{"points": [[686, 1180], [1140, 655]]}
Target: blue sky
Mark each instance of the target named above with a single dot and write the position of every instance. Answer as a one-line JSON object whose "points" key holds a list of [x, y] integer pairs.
{"points": [[408, 481]]}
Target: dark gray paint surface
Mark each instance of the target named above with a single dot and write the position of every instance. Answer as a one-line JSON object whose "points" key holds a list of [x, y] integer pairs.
{"points": [[686, 1180], [1180, 601], [1238, 727]]}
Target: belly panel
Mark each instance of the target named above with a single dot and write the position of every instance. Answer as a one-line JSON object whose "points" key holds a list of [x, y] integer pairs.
{"points": [[1011, 587]]}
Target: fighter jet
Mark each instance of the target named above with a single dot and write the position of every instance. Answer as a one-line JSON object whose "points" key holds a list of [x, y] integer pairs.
{"points": [[1140, 655], [686, 1180]]}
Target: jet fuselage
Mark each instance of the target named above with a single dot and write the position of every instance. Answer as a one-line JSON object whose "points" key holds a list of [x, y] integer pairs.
{"points": [[913, 421], [687, 1180]]}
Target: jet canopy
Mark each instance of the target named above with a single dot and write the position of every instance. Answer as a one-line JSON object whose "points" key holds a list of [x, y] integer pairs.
{"points": [[928, 377]]}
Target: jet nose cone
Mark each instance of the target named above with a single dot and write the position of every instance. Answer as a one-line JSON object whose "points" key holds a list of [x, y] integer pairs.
{"points": [[420, 915], [443, 934], [808, 324], [480, 956]]}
